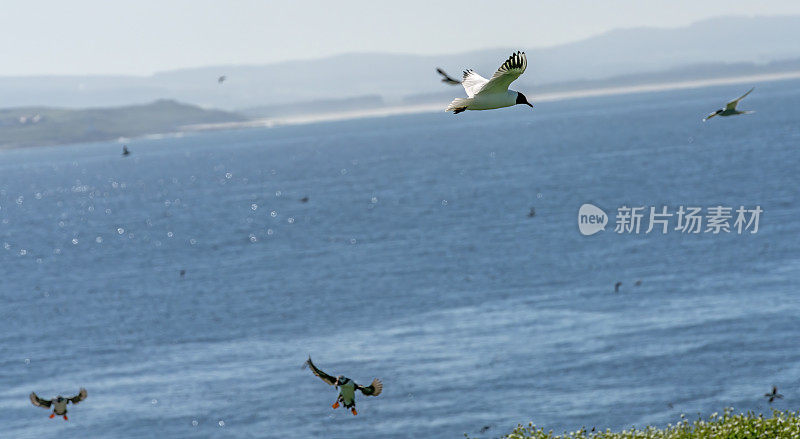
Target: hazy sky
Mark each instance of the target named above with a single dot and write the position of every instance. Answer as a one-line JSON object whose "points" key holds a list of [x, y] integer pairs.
{"points": [[143, 36]]}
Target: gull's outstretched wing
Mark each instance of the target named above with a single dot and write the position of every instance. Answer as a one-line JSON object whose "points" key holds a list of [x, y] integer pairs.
{"points": [[514, 66], [373, 389], [79, 397], [318, 372], [447, 79], [39, 402], [732, 104], [473, 82]]}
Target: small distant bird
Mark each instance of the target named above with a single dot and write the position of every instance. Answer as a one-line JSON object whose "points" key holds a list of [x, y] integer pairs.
{"points": [[616, 287], [125, 151], [532, 212], [183, 273], [774, 395], [730, 108], [447, 79], [638, 283], [221, 79], [304, 200], [59, 403], [487, 94], [346, 387], [485, 428]]}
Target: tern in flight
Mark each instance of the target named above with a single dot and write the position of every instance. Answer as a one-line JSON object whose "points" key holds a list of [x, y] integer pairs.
{"points": [[730, 108]]}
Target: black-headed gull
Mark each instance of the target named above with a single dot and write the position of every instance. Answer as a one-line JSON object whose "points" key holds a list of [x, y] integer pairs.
{"points": [[730, 108], [488, 94], [347, 387]]}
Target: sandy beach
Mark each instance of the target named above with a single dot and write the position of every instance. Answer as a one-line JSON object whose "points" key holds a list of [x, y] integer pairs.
{"points": [[544, 97]]}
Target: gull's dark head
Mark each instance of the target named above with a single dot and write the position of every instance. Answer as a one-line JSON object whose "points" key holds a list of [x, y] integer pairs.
{"points": [[522, 100]]}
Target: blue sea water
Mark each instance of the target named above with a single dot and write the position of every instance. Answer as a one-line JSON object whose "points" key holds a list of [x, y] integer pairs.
{"points": [[413, 260]]}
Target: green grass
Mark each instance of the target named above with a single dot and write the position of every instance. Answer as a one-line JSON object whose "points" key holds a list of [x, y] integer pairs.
{"points": [[781, 425]]}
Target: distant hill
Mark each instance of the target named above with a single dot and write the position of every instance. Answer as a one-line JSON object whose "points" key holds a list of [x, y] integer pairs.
{"points": [[38, 126], [757, 40]]}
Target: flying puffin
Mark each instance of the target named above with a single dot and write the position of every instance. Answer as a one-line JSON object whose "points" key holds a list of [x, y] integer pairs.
{"points": [[730, 108], [774, 395], [347, 387], [59, 403]]}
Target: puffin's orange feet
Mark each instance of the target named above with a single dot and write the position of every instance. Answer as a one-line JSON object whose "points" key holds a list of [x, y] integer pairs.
{"points": [[335, 405], [65, 418], [52, 415], [354, 411]]}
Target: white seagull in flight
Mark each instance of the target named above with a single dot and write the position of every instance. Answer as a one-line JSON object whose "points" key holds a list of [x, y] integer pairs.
{"points": [[730, 108], [487, 94]]}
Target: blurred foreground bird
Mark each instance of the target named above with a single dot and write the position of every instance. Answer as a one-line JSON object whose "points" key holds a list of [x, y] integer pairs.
{"points": [[347, 387], [447, 79], [730, 108], [774, 395], [59, 403], [488, 94]]}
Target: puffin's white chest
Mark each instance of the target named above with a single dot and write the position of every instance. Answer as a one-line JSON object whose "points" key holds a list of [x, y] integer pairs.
{"points": [[493, 100], [348, 391], [60, 407]]}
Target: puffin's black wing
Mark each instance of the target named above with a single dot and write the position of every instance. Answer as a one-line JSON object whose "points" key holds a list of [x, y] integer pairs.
{"points": [[447, 78], [373, 389], [79, 397], [322, 375], [39, 402]]}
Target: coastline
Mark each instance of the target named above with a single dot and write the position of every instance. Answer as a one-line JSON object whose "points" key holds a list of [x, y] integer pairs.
{"points": [[397, 110], [544, 97]]}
